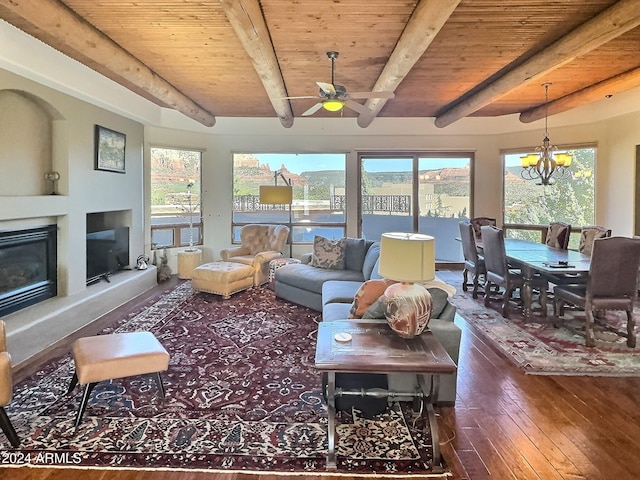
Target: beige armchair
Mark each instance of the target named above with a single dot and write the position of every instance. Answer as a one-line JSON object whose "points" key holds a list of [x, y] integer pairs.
{"points": [[6, 389], [259, 244]]}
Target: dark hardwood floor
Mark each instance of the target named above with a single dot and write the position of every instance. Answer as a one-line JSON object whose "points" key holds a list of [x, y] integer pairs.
{"points": [[505, 425]]}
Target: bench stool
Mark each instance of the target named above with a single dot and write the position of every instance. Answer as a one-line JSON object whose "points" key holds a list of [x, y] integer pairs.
{"points": [[117, 355], [222, 278]]}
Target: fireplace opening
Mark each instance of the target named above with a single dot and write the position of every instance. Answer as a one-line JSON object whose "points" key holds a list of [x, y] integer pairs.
{"points": [[28, 267]]}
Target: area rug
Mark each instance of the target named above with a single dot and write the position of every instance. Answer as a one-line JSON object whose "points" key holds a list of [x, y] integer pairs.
{"points": [[537, 347], [242, 395]]}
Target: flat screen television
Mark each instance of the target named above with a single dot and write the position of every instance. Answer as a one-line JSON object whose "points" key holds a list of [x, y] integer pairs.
{"points": [[107, 253]]}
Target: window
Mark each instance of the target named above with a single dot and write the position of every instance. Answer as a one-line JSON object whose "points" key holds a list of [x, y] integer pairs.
{"points": [[569, 199], [423, 192], [318, 181], [176, 218]]}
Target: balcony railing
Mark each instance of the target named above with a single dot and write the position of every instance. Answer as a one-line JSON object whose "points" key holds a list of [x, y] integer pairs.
{"points": [[337, 203]]}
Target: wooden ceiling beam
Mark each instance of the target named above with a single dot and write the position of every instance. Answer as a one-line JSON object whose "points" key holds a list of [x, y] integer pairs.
{"points": [[427, 19], [54, 23], [611, 86], [248, 21], [613, 22]]}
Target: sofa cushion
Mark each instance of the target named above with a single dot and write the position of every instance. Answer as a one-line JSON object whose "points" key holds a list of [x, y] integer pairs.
{"points": [[310, 278], [366, 295], [339, 291], [374, 273], [370, 259], [328, 254], [355, 251]]}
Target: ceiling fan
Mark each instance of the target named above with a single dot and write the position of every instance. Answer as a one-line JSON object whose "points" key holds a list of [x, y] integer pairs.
{"points": [[335, 97]]}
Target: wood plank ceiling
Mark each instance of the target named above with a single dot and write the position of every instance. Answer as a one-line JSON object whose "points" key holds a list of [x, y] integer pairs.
{"points": [[445, 59]]}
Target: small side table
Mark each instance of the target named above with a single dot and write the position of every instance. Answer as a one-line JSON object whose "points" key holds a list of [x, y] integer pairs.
{"points": [[277, 263], [375, 348], [187, 261]]}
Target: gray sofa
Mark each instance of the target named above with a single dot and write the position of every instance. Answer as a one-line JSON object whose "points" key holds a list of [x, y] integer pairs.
{"points": [[332, 292]]}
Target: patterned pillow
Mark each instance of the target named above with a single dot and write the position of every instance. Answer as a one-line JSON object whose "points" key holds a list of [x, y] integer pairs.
{"points": [[328, 254], [587, 236], [366, 295]]}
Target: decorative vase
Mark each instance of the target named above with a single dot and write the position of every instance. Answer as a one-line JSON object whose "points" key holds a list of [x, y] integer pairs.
{"points": [[407, 308]]}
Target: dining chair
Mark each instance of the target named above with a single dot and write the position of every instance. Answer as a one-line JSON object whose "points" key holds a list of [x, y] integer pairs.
{"points": [[499, 273], [558, 235], [478, 222], [611, 285], [473, 263], [588, 234]]}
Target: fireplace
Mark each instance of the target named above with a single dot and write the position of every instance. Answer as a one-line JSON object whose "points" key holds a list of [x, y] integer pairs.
{"points": [[28, 267]]}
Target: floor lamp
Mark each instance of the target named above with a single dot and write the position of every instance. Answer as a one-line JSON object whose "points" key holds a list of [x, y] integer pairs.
{"points": [[279, 195]]}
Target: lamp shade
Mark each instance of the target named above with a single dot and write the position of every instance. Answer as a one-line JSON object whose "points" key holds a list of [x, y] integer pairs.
{"points": [[407, 257], [276, 194]]}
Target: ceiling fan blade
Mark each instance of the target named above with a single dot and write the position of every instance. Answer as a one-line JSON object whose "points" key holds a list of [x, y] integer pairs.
{"points": [[313, 109], [327, 88], [356, 106], [372, 95], [294, 98]]}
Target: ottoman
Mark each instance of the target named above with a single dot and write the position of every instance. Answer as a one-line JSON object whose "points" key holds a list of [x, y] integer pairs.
{"points": [[222, 278], [118, 355]]}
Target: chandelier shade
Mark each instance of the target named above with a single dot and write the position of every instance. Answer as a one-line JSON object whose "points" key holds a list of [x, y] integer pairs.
{"points": [[545, 164]]}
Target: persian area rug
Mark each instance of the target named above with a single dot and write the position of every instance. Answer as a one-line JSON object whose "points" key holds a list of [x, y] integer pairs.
{"points": [[538, 347], [242, 395]]}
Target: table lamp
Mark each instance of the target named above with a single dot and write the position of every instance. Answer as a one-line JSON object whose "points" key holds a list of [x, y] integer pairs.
{"points": [[407, 258], [279, 195]]}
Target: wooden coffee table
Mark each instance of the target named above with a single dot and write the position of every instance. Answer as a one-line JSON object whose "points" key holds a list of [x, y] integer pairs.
{"points": [[375, 348]]}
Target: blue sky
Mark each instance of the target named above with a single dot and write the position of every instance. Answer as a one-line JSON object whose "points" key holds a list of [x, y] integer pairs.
{"points": [[298, 163]]}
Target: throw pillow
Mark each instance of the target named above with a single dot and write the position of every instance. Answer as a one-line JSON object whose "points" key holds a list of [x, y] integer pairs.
{"points": [[366, 295], [328, 254], [439, 300], [376, 310]]}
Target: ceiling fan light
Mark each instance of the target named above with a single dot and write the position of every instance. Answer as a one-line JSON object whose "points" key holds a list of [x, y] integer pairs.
{"points": [[333, 105]]}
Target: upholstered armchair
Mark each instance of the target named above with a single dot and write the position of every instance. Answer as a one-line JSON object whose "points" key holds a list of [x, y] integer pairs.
{"points": [[259, 244], [6, 390]]}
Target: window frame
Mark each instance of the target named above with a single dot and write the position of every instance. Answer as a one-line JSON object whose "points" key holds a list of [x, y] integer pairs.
{"points": [[294, 223], [177, 228]]}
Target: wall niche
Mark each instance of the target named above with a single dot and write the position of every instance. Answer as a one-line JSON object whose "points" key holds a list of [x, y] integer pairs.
{"points": [[26, 143]]}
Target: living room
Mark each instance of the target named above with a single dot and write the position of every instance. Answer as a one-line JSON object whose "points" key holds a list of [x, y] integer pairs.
{"points": [[84, 99]]}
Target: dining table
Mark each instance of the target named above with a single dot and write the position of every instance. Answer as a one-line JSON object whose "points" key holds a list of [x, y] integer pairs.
{"points": [[538, 258]]}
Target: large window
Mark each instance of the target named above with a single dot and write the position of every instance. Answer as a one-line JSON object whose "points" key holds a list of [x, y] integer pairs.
{"points": [[423, 192], [318, 181], [569, 199], [176, 218]]}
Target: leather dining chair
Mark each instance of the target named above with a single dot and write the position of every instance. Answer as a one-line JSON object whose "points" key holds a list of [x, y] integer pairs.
{"points": [[6, 390], [611, 285], [478, 222], [473, 263], [588, 234], [499, 273], [558, 235]]}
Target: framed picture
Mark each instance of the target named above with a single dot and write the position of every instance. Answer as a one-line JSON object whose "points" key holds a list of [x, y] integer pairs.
{"points": [[110, 147]]}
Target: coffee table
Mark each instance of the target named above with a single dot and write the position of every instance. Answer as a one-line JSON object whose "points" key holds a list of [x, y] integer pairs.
{"points": [[375, 348]]}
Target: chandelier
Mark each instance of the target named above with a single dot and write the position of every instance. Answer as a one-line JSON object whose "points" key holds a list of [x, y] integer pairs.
{"points": [[545, 163]]}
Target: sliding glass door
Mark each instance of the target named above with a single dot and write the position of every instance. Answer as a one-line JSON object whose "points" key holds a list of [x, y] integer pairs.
{"points": [[416, 192]]}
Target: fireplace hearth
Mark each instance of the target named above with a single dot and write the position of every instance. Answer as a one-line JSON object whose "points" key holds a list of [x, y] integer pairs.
{"points": [[28, 267]]}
